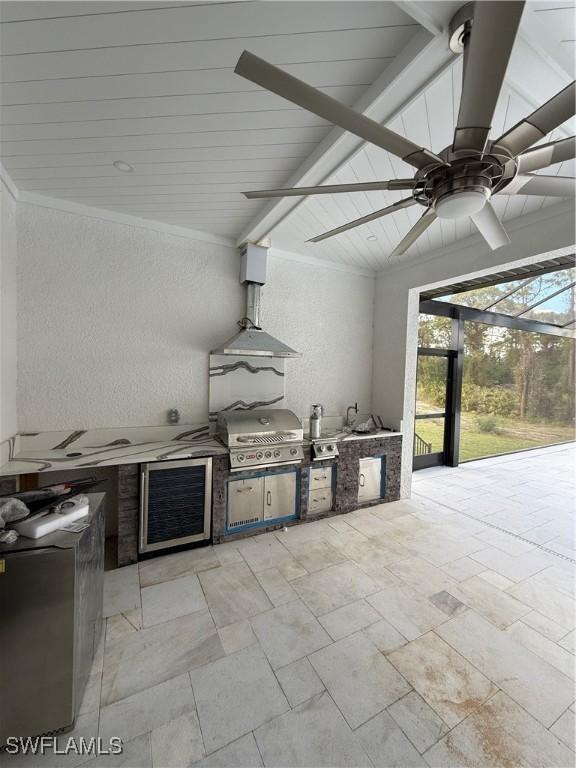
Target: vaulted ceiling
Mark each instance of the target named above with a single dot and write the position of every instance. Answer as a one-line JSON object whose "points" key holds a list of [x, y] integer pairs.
{"points": [[85, 84], [152, 84]]}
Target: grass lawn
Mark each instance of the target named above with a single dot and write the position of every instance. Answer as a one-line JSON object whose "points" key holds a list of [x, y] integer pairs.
{"points": [[475, 443]]}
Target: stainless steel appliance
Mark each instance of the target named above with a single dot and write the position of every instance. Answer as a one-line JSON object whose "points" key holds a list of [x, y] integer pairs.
{"points": [[175, 503], [325, 448], [261, 438], [51, 622], [258, 499], [251, 340], [316, 421]]}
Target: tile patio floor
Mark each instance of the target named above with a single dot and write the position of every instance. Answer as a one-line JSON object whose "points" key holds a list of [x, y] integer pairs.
{"points": [[409, 634]]}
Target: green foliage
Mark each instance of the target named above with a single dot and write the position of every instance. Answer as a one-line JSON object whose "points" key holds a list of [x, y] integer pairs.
{"points": [[486, 423], [489, 400]]}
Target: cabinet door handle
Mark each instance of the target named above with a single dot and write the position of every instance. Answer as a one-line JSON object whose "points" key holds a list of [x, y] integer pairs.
{"points": [[321, 477], [268, 498], [246, 489], [322, 498], [362, 480]]}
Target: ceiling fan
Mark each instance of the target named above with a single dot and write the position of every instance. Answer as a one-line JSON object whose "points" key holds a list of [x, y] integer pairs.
{"points": [[460, 180]]}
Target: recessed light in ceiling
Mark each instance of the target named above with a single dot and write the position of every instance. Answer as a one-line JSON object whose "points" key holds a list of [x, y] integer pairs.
{"points": [[371, 238], [120, 165]]}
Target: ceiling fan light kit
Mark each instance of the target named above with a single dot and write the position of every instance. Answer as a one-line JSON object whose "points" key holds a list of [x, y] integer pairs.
{"points": [[459, 181]]}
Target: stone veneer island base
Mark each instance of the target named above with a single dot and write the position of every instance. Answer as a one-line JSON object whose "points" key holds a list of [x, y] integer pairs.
{"points": [[346, 466]]}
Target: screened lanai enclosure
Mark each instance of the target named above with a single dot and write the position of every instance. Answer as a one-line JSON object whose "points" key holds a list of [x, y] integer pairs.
{"points": [[496, 359]]}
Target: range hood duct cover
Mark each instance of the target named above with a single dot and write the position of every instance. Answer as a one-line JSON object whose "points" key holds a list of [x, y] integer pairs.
{"points": [[251, 340]]}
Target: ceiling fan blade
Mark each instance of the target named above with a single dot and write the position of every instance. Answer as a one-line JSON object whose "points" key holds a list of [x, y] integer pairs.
{"points": [[540, 123], [418, 229], [486, 56], [330, 189], [546, 186], [306, 96], [490, 227], [547, 154], [365, 219]]}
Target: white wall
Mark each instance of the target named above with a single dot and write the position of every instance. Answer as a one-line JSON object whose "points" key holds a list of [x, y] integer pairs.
{"points": [[397, 299], [115, 323], [8, 358], [328, 316]]}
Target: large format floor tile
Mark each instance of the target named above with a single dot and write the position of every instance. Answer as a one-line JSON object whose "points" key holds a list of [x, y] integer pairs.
{"points": [[421, 575], [288, 633], [336, 605], [409, 612], [495, 605], [148, 709], [138, 660], [444, 679], [121, 590], [299, 681], [349, 619], [418, 721], [536, 685], [499, 734], [359, 678], [312, 734], [333, 587], [242, 753], [387, 745], [171, 599], [233, 593], [550, 602], [168, 567], [177, 743], [235, 695]]}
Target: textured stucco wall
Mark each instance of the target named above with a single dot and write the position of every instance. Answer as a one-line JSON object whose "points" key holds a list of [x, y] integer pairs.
{"points": [[116, 323], [327, 316], [397, 301], [8, 358]]}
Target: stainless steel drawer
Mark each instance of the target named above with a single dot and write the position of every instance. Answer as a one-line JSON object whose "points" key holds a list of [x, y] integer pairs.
{"points": [[320, 477], [320, 501]]}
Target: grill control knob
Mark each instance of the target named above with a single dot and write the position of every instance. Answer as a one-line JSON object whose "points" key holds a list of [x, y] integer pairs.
{"points": [[277, 454], [330, 447], [294, 451], [321, 449], [240, 457], [268, 455], [259, 455]]}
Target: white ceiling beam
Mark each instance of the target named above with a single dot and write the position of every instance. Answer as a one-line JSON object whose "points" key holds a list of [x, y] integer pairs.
{"points": [[433, 16], [8, 182], [420, 62]]}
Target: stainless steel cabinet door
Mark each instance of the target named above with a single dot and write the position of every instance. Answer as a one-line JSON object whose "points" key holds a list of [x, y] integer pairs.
{"points": [[245, 499], [370, 479], [280, 495]]}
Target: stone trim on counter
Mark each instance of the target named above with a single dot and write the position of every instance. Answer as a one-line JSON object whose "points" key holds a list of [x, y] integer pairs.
{"points": [[128, 513], [346, 466]]}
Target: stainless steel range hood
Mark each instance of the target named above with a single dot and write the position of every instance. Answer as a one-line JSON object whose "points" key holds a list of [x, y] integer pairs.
{"points": [[251, 340]]}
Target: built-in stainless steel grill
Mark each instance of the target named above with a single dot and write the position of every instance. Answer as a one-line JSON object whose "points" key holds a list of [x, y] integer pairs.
{"points": [[261, 438]]}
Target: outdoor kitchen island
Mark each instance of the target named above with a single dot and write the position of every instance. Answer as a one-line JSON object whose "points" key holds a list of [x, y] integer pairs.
{"points": [[322, 488], [364, 471]]}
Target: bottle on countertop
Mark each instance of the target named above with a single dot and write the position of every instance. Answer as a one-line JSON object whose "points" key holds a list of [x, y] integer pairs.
{"points": [[316, 421]]}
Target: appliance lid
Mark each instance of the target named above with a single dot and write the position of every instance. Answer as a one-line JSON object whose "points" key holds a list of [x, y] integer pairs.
{"points": [[260, 421]]}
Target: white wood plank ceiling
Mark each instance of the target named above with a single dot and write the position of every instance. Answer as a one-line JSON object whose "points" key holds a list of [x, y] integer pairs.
{"points": [[429, 121], [84, 84]]}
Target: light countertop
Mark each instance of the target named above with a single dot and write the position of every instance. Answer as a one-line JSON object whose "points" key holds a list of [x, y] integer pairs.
{"points": [[51, 451]]}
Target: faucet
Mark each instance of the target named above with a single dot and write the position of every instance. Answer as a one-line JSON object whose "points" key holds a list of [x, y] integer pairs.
{"points": [[354, 408]]}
